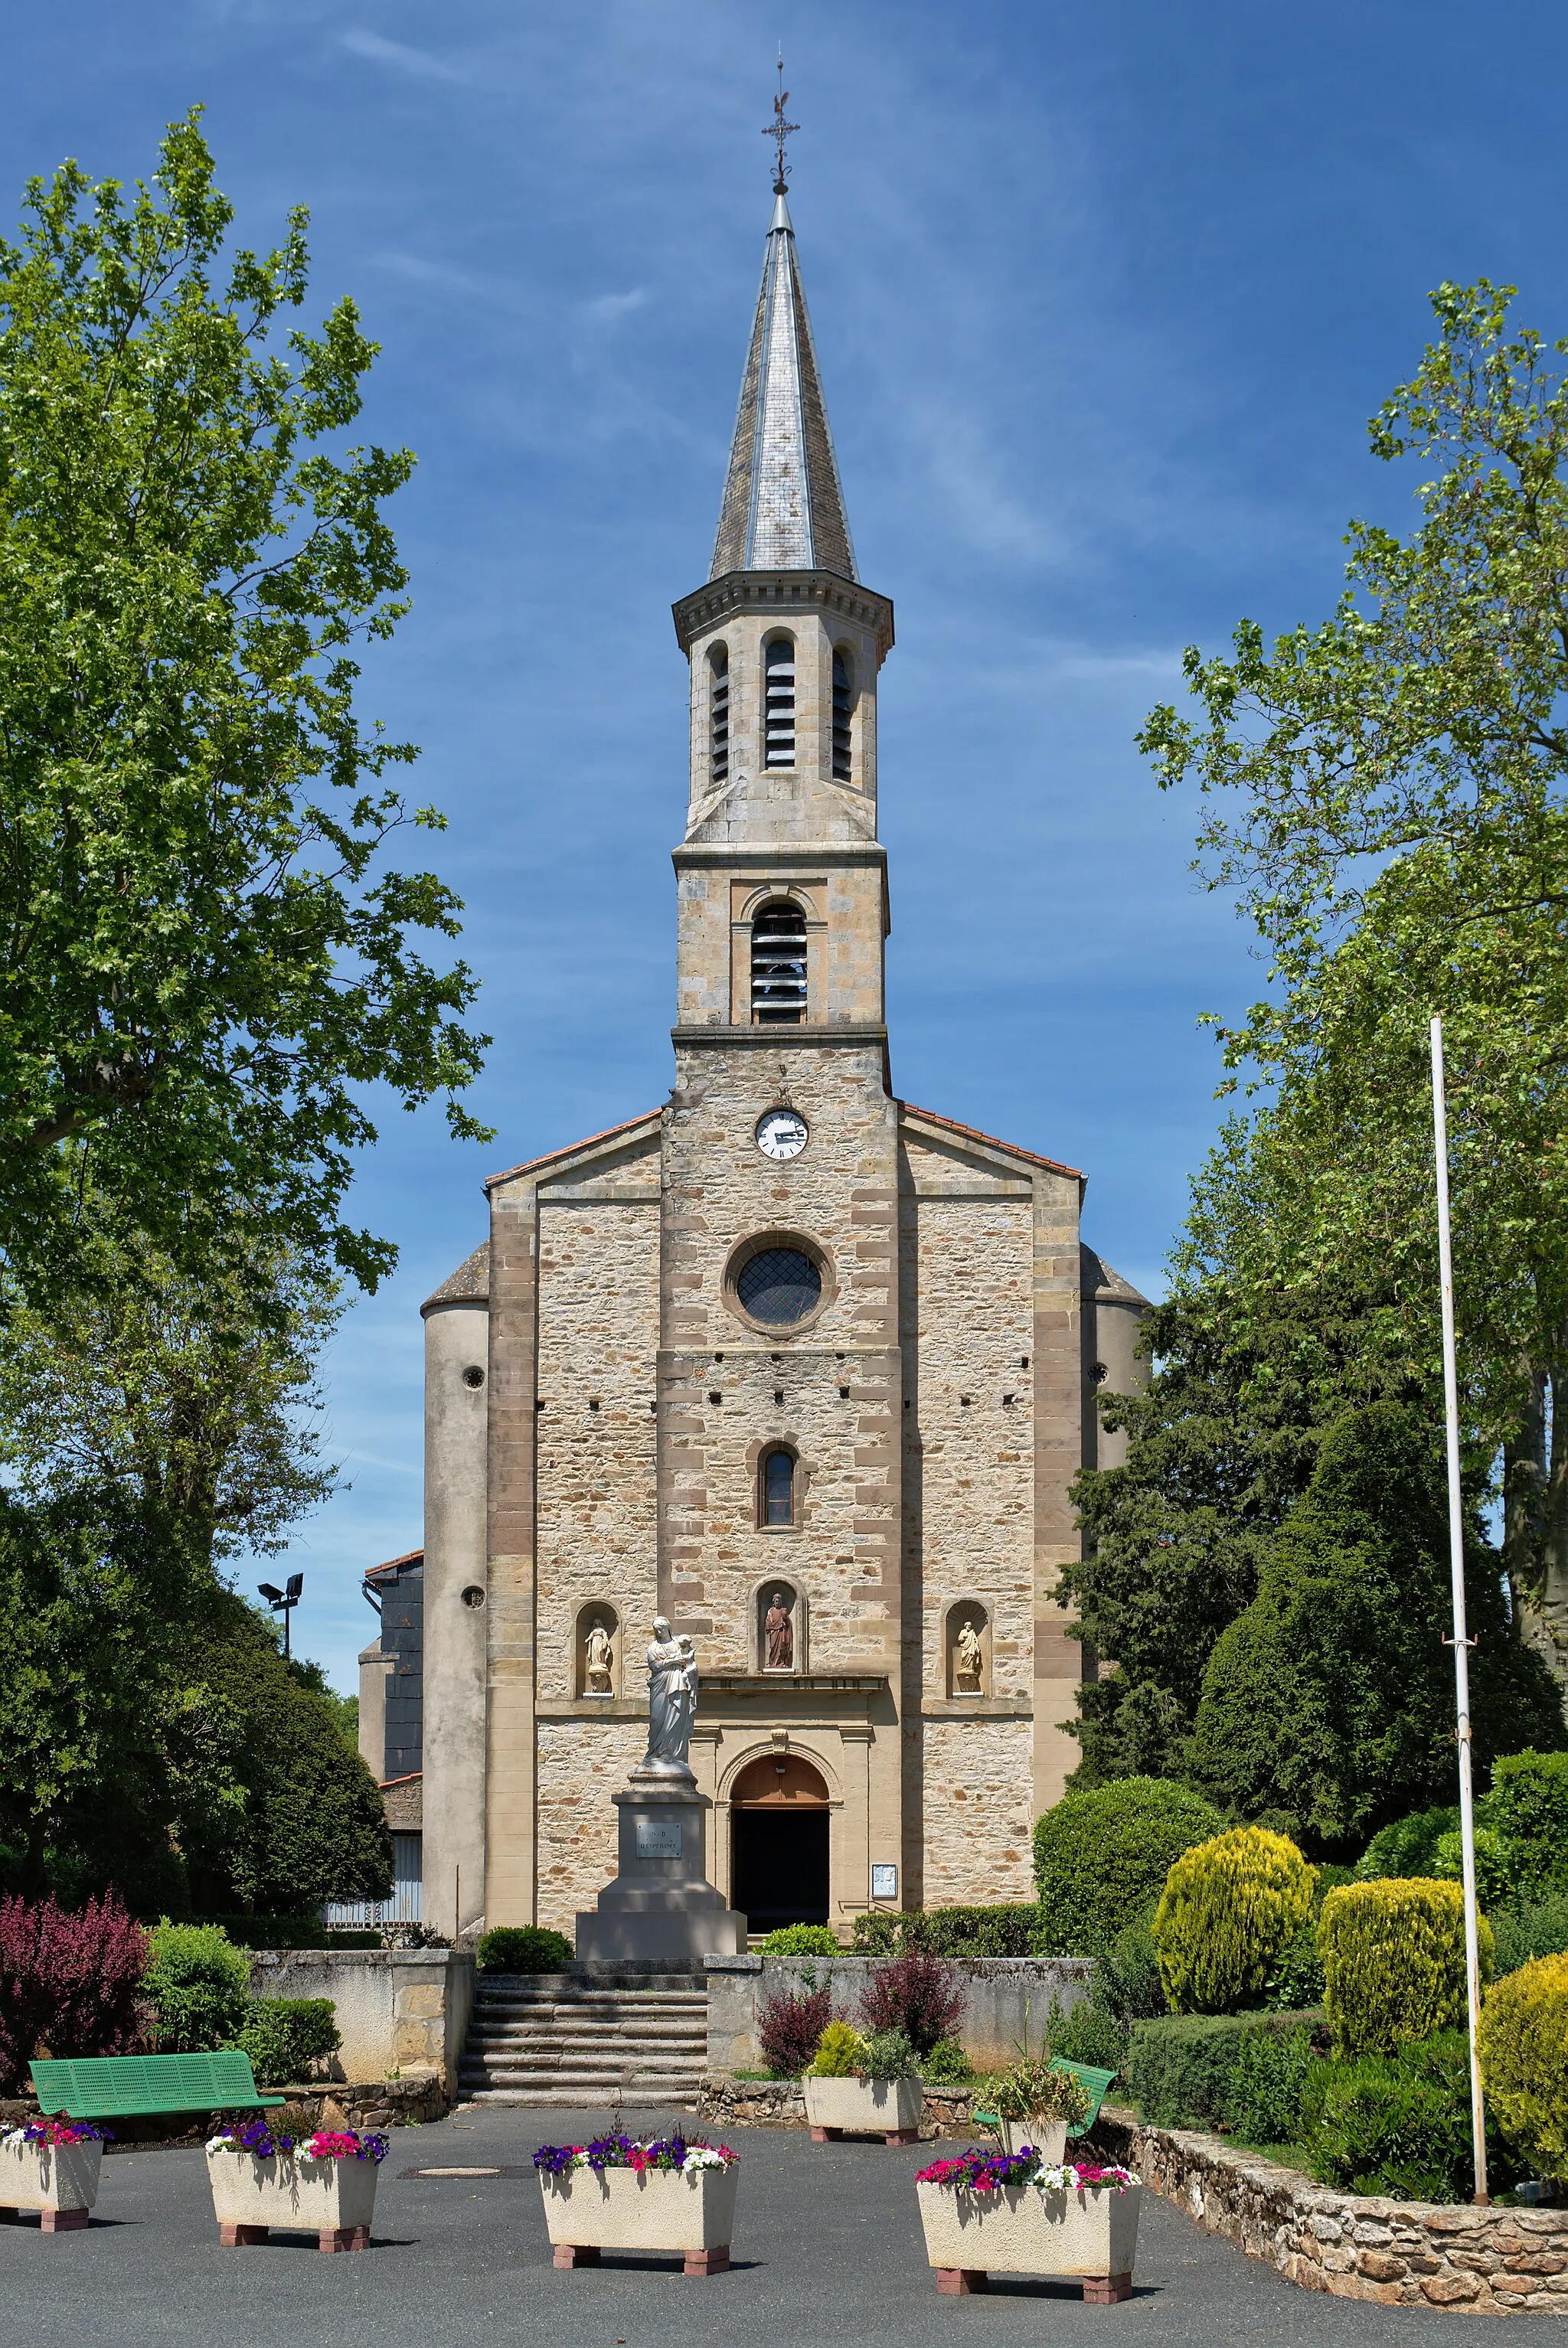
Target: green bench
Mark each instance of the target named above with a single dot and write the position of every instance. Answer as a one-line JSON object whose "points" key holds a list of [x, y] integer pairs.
{"points": [[1094, 2082], [110, 2086]]}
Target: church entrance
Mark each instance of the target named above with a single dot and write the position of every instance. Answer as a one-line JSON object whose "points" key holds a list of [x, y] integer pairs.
{"points": [[779, 1843]]}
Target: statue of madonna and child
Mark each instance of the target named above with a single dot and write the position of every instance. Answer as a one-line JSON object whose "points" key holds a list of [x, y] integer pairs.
{"points": [[672, 1705]]}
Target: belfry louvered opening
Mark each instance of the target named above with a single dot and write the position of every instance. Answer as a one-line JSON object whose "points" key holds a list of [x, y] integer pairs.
{"points": [[779, 966], [843, 710], [719, 714], [779, 703]]}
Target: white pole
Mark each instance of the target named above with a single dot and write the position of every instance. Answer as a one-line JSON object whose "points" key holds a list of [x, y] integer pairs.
{"points": [[1461, 1642]]}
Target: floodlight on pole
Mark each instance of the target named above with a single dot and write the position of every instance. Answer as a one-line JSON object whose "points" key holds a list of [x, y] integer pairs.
{"points": [[283, 1601], [1460, 1640]]}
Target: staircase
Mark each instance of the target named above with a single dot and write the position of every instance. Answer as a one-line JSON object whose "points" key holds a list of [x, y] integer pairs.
{"points": [[551, 2039]]}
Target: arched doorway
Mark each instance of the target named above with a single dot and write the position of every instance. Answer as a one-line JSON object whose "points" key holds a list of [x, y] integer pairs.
{"points": [[779, 1843]]}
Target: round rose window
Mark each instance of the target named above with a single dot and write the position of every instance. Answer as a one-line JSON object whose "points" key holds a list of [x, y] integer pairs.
{"points": [[778, 1286]]}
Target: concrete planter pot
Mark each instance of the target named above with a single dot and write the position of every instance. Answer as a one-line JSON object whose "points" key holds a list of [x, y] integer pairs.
{"points": [[1050, 2138], [884, 2107], [59, 2180], [689, 2211], [333, 2199], [1091, 2232]]}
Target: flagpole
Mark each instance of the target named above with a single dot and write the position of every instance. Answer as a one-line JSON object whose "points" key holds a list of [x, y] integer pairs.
{"points": [[1460, 1639]]}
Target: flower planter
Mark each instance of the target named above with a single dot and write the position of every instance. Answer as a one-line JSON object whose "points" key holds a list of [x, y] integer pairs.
{"points": [[690, 2211], [885, 2108], [1088, 2230], [333, 2199], [1050, 2138], [59, 2180]]}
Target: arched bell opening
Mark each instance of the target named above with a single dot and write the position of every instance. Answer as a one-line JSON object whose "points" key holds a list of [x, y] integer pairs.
{"points": [[779, 1843]]}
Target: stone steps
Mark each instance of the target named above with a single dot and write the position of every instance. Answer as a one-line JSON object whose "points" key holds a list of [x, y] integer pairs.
{"points": [[585, 2048]]}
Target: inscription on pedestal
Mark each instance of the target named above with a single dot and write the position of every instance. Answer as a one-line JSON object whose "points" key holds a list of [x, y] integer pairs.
{"points": [[658, 1838]]}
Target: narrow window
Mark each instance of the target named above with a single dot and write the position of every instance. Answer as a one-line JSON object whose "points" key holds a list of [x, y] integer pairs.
{"points": [[718, 715], [779, 703], [778, 967], [843, 707], [778, 1489]]}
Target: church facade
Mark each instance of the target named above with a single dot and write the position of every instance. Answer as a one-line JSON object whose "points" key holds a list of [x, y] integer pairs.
{"points": [[803, 1368]]}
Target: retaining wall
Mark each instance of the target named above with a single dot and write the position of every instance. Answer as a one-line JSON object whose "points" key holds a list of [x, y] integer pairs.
{"points": [[399, 2011], [1006, 2001]]}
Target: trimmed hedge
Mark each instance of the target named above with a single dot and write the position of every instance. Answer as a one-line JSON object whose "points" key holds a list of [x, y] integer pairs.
{"points": [[523, 1949], [1228, 1908], [1528, 1806], [198, 1984], [801, 1940], [1393, 1962], [284, 2036], [1530, 1927], [1014, 1930], [289, 1933], [1101, 1856], [1179, 2068], [1525, 2061], [1394, 2124]]}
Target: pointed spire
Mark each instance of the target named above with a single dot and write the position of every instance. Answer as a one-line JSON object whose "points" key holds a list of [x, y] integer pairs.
{"points": [[783, 509]]}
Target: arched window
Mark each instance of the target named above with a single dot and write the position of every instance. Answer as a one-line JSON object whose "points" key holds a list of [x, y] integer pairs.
{"points": [[779, 966], [719, 714], [779, 703], [843, 710], [776, 1489]]}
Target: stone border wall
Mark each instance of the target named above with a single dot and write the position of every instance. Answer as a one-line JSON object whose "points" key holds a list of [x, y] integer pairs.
{"points": [[403, 2010], [1005, 2000], [1486, 2261]]}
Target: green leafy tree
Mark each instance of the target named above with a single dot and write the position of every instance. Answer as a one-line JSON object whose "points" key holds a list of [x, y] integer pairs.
{"points": [[202, 974], [1329, 1702], [1386, 792]]}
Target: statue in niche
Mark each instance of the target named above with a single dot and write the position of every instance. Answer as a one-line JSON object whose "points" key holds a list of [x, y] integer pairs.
{"points": [[672, 1704], [779, 1634], [969, 1659], [598, 1663]]}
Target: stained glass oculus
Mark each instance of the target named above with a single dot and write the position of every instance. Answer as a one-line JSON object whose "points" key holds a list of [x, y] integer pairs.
{"points": [[780, 1286]]}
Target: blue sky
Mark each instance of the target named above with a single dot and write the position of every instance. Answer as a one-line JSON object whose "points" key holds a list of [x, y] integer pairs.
{"points": [[1103, 297]]}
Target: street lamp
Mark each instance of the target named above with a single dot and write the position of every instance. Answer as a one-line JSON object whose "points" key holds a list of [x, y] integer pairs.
{"points": [[282, 1601]]}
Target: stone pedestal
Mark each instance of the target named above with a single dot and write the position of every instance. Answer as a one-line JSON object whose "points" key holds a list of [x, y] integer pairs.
{"points": [[661, 1904]]}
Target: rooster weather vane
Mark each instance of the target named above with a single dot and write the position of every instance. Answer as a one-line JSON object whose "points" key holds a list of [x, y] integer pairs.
{"points": [[779, 129]]}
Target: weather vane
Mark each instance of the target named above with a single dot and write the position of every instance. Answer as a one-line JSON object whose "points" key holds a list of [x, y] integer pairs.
{"points": [[779, 129]]}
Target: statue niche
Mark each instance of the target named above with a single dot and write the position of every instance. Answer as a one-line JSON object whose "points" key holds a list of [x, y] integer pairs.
{"points": [[966, 1649], [596, 1633], [780, 1626]]}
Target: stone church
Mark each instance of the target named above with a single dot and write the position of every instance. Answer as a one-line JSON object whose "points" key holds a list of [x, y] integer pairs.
{"points": [[802, 1367]]}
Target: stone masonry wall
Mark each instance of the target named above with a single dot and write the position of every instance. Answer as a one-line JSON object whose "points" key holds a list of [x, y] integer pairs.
{"points": [[581, 1764], [977, 1787]]}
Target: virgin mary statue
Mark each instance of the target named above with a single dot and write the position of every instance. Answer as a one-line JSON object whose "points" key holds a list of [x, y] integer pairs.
{"points": [[672, 1705]]}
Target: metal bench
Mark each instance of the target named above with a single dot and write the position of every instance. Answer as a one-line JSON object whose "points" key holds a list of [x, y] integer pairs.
{"points": [[1094, 2082], [110, 2086]]}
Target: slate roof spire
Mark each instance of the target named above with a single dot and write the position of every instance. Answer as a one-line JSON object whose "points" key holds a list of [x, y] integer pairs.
{"points": [[783, 509]]}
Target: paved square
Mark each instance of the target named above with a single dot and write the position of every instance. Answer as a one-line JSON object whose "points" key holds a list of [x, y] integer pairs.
{"points": [[828, 2249]]}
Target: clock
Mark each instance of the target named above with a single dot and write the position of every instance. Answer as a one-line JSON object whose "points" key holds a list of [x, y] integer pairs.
{"points": [[781, 1134]]}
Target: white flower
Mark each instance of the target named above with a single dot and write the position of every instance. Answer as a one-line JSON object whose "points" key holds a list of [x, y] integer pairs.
{"points": [[224, 2142], [13, 2136], [704, 2156]]}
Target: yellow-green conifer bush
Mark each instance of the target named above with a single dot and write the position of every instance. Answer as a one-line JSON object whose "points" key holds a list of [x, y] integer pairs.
{"points": [[1228, 1908], [840, 2051], [1525, 2061], [1394, 1961]]}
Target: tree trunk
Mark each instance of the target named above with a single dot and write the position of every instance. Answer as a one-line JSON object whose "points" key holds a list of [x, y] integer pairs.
{"points": [[1535, 1537]]}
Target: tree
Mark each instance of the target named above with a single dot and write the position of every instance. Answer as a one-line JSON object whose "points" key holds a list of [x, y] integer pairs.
{"points": [[1329, 1703], [200, 976], [1396, 825]]}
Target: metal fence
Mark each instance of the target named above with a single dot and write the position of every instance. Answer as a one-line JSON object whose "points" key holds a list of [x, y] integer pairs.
{"points": [[405, 1905]]}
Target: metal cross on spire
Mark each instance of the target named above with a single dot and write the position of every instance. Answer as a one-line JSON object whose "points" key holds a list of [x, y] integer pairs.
{"points": [[779, 129]]}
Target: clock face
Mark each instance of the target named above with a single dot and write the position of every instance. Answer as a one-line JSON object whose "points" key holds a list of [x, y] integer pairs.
{"points": [[781, 1134]]}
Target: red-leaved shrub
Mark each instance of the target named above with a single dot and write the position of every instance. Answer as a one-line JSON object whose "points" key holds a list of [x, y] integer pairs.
{"points": [[70, 1979], [915, 1993], [788, 2028]]}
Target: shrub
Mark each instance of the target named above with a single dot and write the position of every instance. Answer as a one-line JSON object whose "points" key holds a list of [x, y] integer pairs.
{"points": [[1035, 2090], [1493, 1872], [914, 1993], [198, 1984], [1100, 1856], [284, 2036], [1296, 1976], [1127, 1974], [947, 2065], [523, 1949], [1086, 2033], [801, 1940], [840, 2051], [788, 2027], [1530, 1927], [1228, 1908], [1179, 2067], [1266, 2083], [890, 2055], [1525, 2061], [1528, 1806], [1393, 1962], [1408, 1846], [1394, 2124], [1013, 1930], [70, 1979]]}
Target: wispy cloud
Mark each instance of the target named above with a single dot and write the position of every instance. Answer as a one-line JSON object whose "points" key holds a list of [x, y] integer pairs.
{"points": [[418, 63]]}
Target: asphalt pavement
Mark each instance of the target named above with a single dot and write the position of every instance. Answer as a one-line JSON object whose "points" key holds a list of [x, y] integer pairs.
{"points": [[828, 2249]]}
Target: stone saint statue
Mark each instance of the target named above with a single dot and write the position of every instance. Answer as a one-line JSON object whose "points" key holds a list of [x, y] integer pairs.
{"points": [[672, 1704], [779, 1633], [599, 1662], [968, 1660]]}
